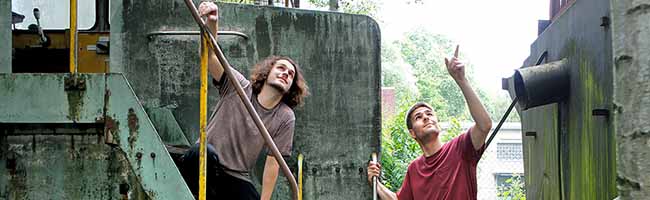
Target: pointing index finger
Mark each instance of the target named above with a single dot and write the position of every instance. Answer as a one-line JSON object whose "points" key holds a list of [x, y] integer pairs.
{"points": [[456, 52]]}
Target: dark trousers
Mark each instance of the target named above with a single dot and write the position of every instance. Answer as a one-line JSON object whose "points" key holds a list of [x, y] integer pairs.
{"points": [[219, 185]]}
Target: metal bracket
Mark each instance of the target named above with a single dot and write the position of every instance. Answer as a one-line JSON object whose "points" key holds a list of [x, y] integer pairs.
{"points": [[604, 21], [531, 133], [600, 112]]}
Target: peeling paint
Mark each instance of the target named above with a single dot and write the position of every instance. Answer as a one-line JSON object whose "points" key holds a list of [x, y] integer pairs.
{"points": [[75, 87], [112, 131], [133, 127]]}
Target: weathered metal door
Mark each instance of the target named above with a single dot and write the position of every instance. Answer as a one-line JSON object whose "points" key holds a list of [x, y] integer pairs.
{"points": [[541, 158]]}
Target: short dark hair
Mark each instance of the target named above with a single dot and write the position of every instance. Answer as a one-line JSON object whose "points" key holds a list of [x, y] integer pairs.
{"points": [[409, 123], [298, 90]]}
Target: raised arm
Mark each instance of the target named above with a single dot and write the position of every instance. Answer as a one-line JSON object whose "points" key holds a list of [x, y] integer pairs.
{"points": [[211, 10], [482, 120]]}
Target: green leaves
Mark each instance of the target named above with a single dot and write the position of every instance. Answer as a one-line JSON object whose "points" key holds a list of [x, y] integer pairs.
{"points": [[362, 7], [514, 189]]}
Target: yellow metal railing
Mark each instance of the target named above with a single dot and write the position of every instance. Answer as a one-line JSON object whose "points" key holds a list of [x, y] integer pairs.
{"points": [[73, 36], [203, 114]]}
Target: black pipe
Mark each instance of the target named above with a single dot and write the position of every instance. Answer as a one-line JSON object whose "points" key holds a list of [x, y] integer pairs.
{"points": [[503, 119]]}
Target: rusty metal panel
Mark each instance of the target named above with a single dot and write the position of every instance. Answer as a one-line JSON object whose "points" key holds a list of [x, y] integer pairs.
{"points": [[51, 98], [340, 54], [130, 129], [117, 155], [64, 167]]}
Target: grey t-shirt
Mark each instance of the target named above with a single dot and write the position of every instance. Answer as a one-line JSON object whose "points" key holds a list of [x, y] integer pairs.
{"points": [[233, 132]]}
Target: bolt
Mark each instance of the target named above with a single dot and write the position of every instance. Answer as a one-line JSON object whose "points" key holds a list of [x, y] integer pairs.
{"points": [[138, 155], [153, 155], [604, 21]]}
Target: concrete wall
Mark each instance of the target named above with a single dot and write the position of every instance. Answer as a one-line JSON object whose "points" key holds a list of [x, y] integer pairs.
{"points": [[631, 44], [576, 148], [339, 125], [5, 36]]}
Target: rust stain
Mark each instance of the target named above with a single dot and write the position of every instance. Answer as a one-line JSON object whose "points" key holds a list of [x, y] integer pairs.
{"points": [[75, 87], [133, 127], [111, 129]]}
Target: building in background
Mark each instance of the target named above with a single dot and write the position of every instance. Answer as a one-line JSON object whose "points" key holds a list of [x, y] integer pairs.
{"points": [[388, 102]]}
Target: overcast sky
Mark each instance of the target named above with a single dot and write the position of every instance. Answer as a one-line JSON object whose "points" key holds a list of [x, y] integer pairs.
{"points": [[494, 35]]}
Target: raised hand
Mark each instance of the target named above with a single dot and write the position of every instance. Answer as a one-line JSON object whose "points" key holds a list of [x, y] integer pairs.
{"points": [[455, 67], [211, 11]]}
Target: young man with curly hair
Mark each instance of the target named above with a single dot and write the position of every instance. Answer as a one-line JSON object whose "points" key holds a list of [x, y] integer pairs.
{"points": [[276, 87]]}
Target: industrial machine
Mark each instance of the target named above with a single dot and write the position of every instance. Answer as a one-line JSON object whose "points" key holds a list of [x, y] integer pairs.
{"points": [[98, 105]]}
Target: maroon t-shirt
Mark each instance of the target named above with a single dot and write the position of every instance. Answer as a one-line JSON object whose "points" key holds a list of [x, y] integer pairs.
{"points": [[450, 173]]}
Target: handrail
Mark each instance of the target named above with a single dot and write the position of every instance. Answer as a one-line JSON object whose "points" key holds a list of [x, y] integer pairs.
{"points": [[233, 33], [73, 36], [300, 160], [374, 178], [244, 98], [203, 99]]}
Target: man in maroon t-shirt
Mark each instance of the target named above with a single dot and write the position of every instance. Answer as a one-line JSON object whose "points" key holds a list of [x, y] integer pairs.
{"points": [[445, 171]]}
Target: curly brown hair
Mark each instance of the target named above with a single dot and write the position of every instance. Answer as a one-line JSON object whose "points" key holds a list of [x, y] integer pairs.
{"points": [[298, 90]]}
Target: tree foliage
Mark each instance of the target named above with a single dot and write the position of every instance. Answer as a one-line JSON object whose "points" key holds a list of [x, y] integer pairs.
{"points": [[514, 189], [362, 7]]}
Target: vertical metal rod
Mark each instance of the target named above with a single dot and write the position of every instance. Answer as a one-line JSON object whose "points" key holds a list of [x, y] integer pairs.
{"points": [[244, 98], [300, 159], [203, 117], [73, 36], [374, 178]]}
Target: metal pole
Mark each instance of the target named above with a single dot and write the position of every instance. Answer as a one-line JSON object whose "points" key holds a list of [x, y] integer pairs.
{"points": [[374, 178], [503, 119], [73, 36], [203, 99], [300, 159], [244, 98]]}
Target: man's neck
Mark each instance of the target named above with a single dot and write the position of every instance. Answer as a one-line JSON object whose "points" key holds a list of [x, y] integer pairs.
{"points": [[269, 97], [431, 147]]}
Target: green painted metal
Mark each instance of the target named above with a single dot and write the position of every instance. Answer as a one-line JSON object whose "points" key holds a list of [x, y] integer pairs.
{"points": [[5, 37], [43, 98], [586, 143], [136, 136], [167, 127], [110, 151], [540, 130], [338, 127]]}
